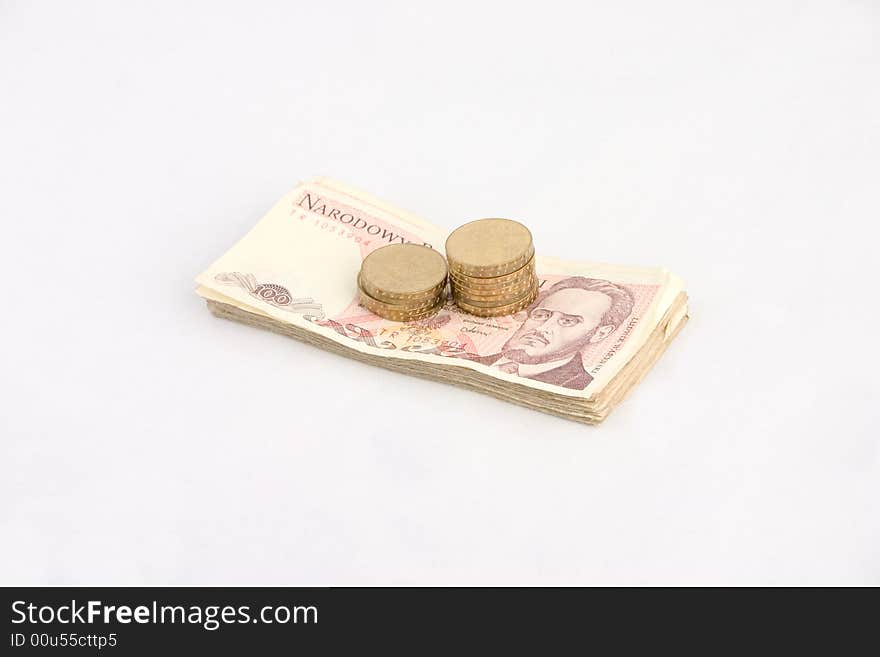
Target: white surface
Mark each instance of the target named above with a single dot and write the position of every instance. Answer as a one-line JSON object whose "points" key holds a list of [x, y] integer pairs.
{"points": [[145, 442]]}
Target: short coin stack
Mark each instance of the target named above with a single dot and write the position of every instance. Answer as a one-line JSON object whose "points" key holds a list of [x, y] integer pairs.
{"points": [[403, 282], [492, 267]]}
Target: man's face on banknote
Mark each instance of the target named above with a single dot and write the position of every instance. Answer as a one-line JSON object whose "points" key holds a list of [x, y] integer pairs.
{"points": [[559, 325]]}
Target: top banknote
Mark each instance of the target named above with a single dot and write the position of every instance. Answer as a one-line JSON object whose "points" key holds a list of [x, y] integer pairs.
{"points": [[299, 267]]}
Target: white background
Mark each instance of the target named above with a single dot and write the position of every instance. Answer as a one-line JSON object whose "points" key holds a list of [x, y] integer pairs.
{"points": [[145, 442]]}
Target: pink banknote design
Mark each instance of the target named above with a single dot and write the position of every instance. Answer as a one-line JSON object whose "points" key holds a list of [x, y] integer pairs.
{"points": [[564, 338]]}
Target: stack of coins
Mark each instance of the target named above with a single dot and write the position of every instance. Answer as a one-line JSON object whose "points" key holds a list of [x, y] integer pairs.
{"points": [[403, 282], [492, 267]]}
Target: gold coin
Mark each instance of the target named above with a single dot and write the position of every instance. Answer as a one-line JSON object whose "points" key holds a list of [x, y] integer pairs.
{"points": [[498, 300], [497, 311], [489, 247], [515, 289], [505, 283], [404, 299], [381, 307], [518, 276], [488, 274], [403, 272], [408, 316], [405, 319]]}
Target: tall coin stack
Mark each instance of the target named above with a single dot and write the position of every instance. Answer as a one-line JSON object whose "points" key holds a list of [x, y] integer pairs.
{"points": [[403, 282], [492, 267]]}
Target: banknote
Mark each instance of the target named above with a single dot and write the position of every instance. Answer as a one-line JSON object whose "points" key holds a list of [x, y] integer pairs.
{"points": [[298, 266]]}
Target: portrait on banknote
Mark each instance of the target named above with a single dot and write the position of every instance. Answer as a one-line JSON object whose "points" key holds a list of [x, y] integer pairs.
{"points": [[563, 320]]}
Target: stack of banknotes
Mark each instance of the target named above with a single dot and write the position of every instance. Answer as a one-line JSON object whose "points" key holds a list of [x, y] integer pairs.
{"points": [[590, 335]]}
